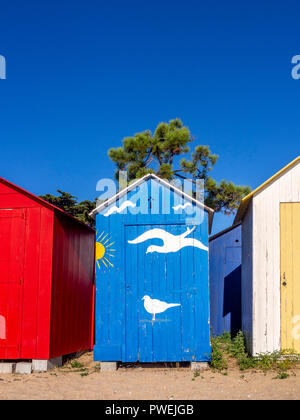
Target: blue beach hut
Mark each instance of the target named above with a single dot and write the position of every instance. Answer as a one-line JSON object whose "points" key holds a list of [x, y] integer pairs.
{"points": [[152, 297], [225, 263]]}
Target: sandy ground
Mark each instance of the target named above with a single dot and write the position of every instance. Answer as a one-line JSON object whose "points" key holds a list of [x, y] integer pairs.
{"points": [[143, 382]]}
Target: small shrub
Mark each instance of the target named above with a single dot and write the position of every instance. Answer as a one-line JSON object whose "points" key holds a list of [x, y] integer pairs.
{"points": [[246, 362], [282, 375], [76, 365], [84, 374], [267, 361], [223, 347], [218, 360], [237, 348]]}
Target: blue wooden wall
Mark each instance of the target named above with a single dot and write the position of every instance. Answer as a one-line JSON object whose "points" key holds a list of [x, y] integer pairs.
{"points": [[225, 258], [124, 330]]}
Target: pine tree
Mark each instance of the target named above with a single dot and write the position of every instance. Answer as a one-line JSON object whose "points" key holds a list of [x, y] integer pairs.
{"points": [[67, 202], [158, 153]]}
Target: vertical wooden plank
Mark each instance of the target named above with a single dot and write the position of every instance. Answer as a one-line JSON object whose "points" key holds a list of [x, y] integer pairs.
{"points": [[157, 347], [174, 294], [285, 226], [45, 283], [12, 228], [201, 330], [225, 255], [247, 278], [188, 303], [296, 276], [31, 283], [133, 267], [114, 259], [260, 275], [72, 287], [57, 306], [290, 277], [146, 281]]}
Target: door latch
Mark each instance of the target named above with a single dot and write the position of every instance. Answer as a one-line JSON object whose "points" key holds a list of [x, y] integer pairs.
{"points": [[284, 280]]}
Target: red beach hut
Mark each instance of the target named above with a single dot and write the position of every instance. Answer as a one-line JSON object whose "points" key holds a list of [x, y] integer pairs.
{"points": [[46, 278]]}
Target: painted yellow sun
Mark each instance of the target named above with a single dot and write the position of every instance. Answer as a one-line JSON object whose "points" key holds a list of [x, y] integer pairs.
{"points": [[104, 251]]}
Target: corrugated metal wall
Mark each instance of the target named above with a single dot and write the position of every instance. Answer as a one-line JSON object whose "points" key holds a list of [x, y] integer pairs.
{"points": [[28, 308], [30, 305], [72, 292]]}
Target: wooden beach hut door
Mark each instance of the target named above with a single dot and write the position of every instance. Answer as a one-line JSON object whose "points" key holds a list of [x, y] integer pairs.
{"points": [[290, 276], [12, 230], [170, 278]]}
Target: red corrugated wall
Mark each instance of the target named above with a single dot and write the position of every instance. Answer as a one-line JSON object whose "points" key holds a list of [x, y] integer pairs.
{"points": [[46, 294], [72, 291], [34, 277]]}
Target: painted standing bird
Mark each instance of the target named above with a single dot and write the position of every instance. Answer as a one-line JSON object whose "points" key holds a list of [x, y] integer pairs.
{"points": [[155, 306]]}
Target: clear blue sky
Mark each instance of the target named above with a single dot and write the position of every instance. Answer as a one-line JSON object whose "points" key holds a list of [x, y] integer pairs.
{"points": [[83, 75]]}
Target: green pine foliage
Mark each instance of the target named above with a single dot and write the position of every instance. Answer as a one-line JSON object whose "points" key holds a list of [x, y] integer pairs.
{"points": [[160, 153], [67, 202]]}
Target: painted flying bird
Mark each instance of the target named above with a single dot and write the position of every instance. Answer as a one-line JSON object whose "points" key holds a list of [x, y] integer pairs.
{"points": [[182, 206], [171, 243], [116, 209], [155, 306]]}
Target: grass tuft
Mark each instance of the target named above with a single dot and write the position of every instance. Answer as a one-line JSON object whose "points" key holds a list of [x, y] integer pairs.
{"points": [[224, 347]]}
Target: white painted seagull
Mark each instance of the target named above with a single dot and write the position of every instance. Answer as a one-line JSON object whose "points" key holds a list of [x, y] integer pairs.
{"points": [[155, 306], [171, 243], [116, 209]]}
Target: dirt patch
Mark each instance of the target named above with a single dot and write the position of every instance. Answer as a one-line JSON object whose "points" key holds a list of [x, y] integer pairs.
{"points": [[81, 379]]}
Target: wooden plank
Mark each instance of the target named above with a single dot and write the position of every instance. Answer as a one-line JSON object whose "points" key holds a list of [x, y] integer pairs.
{"points": [[45, 284], [266, 315], [31, 283], [290, 275], [133, 267], [247, 278], [225, 256], [296, 276], [12, 229], [173, 290], [16, 201], [155, 274], [145, 276]]}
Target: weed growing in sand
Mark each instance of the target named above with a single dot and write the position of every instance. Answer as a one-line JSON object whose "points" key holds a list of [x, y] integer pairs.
{"points": [[219, 349], [76, 365], [224, 347], [282, 375]]}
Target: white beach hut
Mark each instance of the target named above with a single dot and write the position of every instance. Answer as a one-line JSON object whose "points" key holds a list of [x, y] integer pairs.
{"points": [[270, 218]]}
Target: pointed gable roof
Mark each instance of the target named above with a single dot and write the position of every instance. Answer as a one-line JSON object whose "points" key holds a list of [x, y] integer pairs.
{"points": [[40, 201], [161, 181], [246, 200]]}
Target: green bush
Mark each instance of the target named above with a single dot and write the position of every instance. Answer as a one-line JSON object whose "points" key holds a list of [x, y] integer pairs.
{"points": [[224, 346], [218, 360]]}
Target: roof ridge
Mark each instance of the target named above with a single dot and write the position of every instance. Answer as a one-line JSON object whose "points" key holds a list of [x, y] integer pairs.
{"points": [[40, 200], [245, 201], [136, 183]]}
